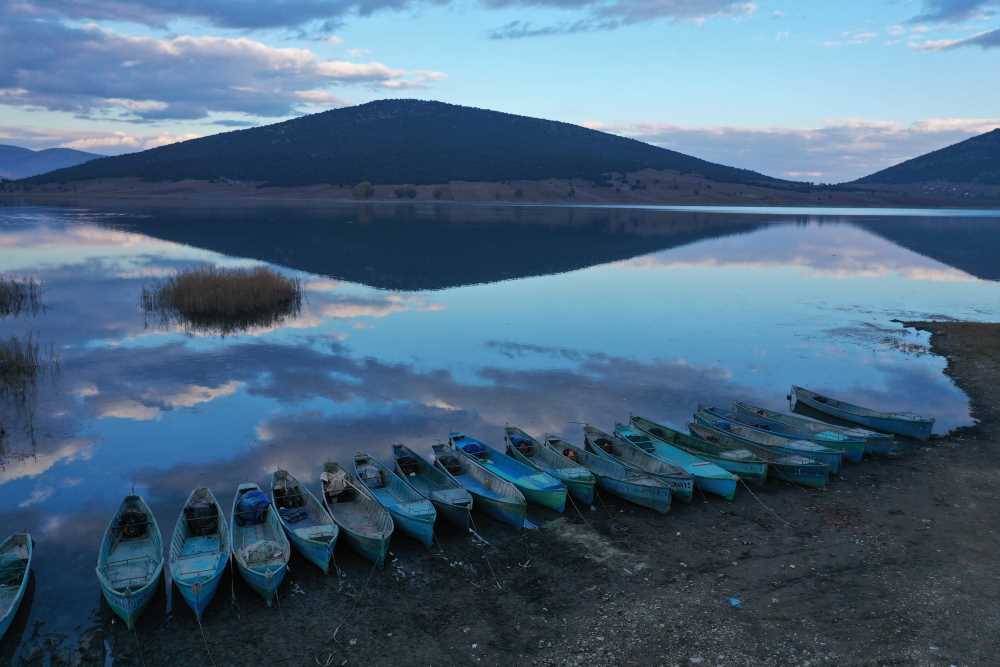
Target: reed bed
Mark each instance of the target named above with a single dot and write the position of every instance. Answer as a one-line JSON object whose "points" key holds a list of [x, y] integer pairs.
{"points": [[20, 365], [224, 300], [19, 295]]}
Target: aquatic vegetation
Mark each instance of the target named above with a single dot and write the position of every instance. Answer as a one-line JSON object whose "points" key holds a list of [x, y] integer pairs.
{"points": [[20, 364], [19, 295], [224, 299]]}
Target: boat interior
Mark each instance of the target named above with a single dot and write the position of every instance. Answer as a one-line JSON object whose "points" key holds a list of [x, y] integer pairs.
{"points": [[13, 562], [304, 518], [133, 557], [199, 555]]}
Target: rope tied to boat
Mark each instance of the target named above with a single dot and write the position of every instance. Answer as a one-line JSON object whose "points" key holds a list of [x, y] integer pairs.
{"points": [[761, 503]]}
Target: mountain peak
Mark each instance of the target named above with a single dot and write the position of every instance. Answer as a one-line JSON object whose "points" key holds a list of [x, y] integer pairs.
{"points": [[975, 160]]}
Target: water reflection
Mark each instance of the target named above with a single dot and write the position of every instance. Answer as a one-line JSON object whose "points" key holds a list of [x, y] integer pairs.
{"points": [[662, 312]]}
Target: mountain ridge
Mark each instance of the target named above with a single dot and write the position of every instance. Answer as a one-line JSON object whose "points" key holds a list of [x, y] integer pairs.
{"points": [[17, 162], [975, 160]]}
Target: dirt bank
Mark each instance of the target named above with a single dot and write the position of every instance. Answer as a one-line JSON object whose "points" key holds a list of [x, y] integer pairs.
{"points": [[895, 563]]}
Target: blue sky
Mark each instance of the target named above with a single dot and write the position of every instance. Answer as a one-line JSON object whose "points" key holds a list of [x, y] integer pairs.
{"points": [[811, 90]]}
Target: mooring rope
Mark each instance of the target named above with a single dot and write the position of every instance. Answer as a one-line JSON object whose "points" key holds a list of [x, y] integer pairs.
{"points": [[204, 640], [761, 502]]}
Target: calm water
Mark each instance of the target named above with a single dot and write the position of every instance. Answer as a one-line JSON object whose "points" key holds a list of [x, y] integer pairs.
{"points": [[422, 320]]}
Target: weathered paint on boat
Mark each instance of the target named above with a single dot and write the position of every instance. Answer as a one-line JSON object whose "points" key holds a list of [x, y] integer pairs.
{"points": [[900, 423], [19, 549], [707, 476], [538, 487], [789, 467], [493, 495], [364, 523], [264, 576], [315, 536], [681, 482], [450, 499], [724, 421], [739, 461], [627, 483], [799, 428], [579, 481], [411, 512], [197, 562], [129, 568]]}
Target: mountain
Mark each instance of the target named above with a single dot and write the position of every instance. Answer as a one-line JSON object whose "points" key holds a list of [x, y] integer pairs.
{"points": [[17, 162], [403, 142], [973, 161]]}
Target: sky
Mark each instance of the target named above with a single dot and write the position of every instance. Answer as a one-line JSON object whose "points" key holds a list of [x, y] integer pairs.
{"points": [[810, 90]]}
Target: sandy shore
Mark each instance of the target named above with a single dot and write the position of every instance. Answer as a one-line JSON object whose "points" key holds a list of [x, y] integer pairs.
{"points": [[895, 563]]}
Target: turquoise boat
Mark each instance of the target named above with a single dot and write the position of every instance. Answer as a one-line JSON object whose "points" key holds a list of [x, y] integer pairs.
{"points": [[308, 525], [579, 481], [199, 549], [492, 494], [411, 512], [724, 421], [130, 561], [260, 549], [799, 428], [789, 467], [363, 522], [681, 483], [740, 461], [16, 553], [450, 499], [616, 478], [900, 423], [538, 487], [709, 477], [821, 432]]}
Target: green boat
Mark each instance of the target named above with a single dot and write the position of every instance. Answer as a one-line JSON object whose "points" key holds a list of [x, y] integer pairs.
{"points": [[578, 480], [681, 482]]}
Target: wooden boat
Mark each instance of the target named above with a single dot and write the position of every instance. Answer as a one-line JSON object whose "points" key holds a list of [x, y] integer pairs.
{"points": [[868, 442], [707, 476], [724, 421], [579, 481], [15, 570], [789, 467], [749, 415], [740, 461], [604, 444], [199, 549], [616, 478], [538, 487], [900, 423], [260, 548], [411, 512], [130, 561], [450, 499], [308, 525], [365, 524], [492, 494]]}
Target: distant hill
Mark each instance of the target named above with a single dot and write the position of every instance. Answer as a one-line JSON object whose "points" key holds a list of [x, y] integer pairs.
{"points": [[403, 142], [973, 161], [17, 162]]}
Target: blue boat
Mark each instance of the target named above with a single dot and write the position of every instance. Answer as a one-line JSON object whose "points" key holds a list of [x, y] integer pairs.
{"points": [[800, 428], [199, 549], [492, 494], [364, 523], [738, 460], [579, 481], [789, 467], [538, 487], [724, 421], [260, 549], [130, 561], [900, 423], [616, 478], [450, 499], [707, 476], [411, 512], [15, 569], [308, 525], [681, 483]]}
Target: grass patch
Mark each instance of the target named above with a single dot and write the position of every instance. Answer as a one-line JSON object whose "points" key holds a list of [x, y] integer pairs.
{"points": [[19, 365], [19, 295], [224, 300]]}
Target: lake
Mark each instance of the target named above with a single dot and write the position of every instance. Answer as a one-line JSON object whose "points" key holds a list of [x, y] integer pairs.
{"points": [[423, 319]]}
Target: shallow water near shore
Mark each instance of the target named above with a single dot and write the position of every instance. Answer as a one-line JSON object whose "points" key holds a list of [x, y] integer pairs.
{"points": [[419, 320]]}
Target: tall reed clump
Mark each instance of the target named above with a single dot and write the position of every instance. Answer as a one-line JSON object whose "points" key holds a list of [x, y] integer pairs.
{"points": [[19, 365], [19, 295], [224, 300]]}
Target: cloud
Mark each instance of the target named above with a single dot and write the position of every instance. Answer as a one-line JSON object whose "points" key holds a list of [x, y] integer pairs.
{"points": [[984, 40], [614, 14], [955, 11], [837, 151], [110, 143], [99, 73]]}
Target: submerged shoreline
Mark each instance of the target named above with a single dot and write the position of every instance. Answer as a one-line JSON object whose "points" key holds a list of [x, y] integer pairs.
{"points": [[893, 563]]}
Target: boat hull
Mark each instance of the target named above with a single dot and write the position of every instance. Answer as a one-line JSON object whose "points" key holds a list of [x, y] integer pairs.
{"points": [[725, 488], [457, 515], [371, 548], [751, 472], [510, 512], [420, 526], [554, 499], [198, 594], [916, 429], [8, 618], [129, 607], [656, 498], [582, 490], [266, 583], [316, 552], [816, 476]]}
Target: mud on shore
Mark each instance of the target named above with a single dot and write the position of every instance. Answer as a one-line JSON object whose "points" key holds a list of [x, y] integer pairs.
{"points": [[895, 563]]}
